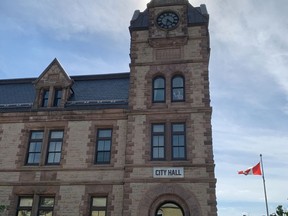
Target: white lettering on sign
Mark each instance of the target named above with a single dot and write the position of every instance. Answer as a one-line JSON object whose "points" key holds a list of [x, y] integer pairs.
{"points": [[168, 172]]}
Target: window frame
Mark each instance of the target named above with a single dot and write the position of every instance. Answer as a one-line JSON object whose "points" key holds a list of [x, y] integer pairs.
{"points": [[98, 140], [177, 88], [35, 208], [169, 147], [154, 89], [29, 144], [98, 208], [45, 98], [41, 208], [158, 134], [177, 133], [48, 152], [56, 98], [23, 208]]}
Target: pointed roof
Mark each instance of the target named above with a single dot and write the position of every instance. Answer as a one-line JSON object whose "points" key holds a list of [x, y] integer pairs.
{"points": [[54, 74], [196, 15]]}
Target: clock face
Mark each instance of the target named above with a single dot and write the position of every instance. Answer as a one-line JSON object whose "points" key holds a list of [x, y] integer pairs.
{"points": [[167, 20]]}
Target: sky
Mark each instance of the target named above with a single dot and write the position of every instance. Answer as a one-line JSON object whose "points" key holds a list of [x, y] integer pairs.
{"points": [[248, 77]]}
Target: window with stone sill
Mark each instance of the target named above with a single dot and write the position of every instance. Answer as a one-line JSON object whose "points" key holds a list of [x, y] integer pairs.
{"points": [[177, 89], [24, 207], [54, 101], [168, 146], [27, 205], [103, 146], [42, 150], [98, 206]]}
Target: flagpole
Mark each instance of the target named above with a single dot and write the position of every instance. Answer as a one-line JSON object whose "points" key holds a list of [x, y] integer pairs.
{"points": [[264, 185]]}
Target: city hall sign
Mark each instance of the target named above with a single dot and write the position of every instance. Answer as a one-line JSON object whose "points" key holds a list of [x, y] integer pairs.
{"points": [[168, 172]]}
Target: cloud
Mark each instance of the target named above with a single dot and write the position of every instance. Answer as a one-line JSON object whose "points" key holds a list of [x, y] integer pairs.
{"points": [[67, 18], [254, 36], [82, 65]]}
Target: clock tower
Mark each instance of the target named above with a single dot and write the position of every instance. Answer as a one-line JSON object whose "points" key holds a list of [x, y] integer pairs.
{"points": [[169, 165]]}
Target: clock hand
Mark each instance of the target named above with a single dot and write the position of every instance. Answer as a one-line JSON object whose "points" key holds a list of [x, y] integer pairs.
{"points": [[165, 20]]}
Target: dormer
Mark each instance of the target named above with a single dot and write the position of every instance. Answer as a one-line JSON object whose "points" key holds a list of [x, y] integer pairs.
{"points": [[53, 87]]}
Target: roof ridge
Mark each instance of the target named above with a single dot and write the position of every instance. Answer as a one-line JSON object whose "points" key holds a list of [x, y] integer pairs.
{"points": [[76, 77]]}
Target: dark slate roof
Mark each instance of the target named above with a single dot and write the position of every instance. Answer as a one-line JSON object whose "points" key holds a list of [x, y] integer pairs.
{"points": [[140, 21], [196, 16], [89, 92], [20, 91]]}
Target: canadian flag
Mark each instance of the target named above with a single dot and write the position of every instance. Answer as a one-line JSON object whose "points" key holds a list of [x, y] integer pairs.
{"points": [[255, 170]]}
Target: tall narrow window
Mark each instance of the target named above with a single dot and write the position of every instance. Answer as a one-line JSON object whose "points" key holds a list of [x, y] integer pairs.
{"points": [[178, 141], [45, 98], [24, 207], [34, 148], [103, 148], [159, 89], [57, 97], [55, 147], [98, 206], [158, 142], [178, 92], [46, 205]]}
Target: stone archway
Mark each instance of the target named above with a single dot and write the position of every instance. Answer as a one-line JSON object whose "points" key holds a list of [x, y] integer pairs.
{"points": [[168, 193]]}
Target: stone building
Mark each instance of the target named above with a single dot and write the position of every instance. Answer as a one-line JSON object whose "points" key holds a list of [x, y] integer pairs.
{"points": [[136, 143]]}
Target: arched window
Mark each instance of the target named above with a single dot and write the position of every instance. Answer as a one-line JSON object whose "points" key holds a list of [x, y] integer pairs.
{"points": [[169, 209], [159, 90], [178, 90]]}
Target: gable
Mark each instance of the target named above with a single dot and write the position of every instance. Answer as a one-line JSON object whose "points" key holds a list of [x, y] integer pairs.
{"points": [[53, 75]]}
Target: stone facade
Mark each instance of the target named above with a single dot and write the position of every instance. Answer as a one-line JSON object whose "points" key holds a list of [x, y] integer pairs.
{"points": [[127, 181]]}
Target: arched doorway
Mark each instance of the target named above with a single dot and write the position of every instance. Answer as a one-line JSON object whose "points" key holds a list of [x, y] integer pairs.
{"points": [[169, 209], [161, 194]]}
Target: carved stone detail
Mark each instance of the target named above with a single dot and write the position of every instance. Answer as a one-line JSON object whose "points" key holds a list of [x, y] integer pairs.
{"points": [[168, 42], [168, 54]]}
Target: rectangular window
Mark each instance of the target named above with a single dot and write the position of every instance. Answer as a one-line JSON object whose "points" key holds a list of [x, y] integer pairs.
{"points": [[24, 207], [46, 206], [158, 141], [45, 98], [103, 148], [34, 148], [178, 141], [55, 147], [98, 206], [57, 97], [26, 204]]}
